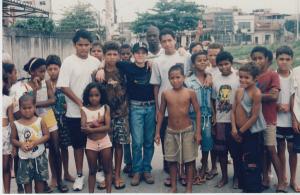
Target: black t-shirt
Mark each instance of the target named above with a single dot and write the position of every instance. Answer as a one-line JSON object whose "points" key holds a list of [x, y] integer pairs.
{"points": [[138, 81]]}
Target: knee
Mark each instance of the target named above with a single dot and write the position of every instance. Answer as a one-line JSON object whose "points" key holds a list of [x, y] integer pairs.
{"points": [[92, 171], [290, 148]]}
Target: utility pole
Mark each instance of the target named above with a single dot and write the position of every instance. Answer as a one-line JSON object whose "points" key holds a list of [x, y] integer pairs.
{"points": [[297, 25]]}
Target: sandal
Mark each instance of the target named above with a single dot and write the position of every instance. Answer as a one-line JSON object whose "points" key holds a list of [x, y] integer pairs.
{"points": [[63, 188], [102, 185], [119, 184], [211, 175], [198, 180], [167, 182]]}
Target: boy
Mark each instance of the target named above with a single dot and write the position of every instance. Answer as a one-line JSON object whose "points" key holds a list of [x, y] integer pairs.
{"points": [[284, 59], [125, 51], [115, 87], [196, 82], [224, 88], [268, 83], [181, 139], [74, 76], [247, 125]]}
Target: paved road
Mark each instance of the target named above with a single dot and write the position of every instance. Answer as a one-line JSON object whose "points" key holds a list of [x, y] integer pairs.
{"points": [[208, 187]]}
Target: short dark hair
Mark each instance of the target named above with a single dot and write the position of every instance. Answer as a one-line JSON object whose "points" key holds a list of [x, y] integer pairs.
{"points": [[215, 46], [250, 68], [166, 31], [260, 49], [33, 64], [177, 67], [7, 68], [53, 59], [125, 46], [86, 93], [194, 56], [270, 56], [194, 44], [25, 97], [284, 50], [224, 55], [82, 34], [111, 45], [97, 44]]}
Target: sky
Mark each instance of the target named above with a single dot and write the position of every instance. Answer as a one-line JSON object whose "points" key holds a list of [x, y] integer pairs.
{"points": [[127, 9]]}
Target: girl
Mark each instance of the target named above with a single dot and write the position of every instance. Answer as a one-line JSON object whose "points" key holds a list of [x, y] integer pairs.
{"points": [[9, 76], [29, 134], [97, 51], [44, 95], [95, 122], [53, 65]]}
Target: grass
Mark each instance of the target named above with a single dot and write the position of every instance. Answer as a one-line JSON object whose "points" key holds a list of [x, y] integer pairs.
{"points": [[243, 52]]}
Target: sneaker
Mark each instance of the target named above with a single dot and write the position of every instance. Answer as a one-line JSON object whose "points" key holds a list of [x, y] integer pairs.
{"points": [[100, 177], [148, 178], [136, 179], [78, 184]]}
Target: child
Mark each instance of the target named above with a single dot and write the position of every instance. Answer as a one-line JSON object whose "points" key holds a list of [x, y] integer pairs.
{"points": [[195, 47], [125, 52], [196, 82], [53, 65], [224, 88], [95, 122], [295, 108], [268, 83], [44, 95], [284, 59], [247, 125], [29, 134], [97, 51], [115, 88], [8, 77], [181, 139], [126, 56]]}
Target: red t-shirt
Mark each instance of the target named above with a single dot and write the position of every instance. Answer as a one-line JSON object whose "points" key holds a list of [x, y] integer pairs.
{"points": [[265, 82]]}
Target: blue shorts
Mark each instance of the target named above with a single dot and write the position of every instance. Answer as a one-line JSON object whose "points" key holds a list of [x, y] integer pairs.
{"points": [[207, 139]]}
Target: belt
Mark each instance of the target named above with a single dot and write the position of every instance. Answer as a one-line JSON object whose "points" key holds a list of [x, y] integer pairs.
{"points": [[142, 103]]}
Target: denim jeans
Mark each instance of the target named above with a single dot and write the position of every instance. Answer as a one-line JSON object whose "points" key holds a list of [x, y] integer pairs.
{"points": [[142, 125]]}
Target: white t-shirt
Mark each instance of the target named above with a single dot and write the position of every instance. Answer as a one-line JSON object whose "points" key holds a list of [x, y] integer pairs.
{"points": [[224, 89], [284, 119], [213, 71], [160, 69], [295, 89], [16, 91], [75, 73], [6, 102]]}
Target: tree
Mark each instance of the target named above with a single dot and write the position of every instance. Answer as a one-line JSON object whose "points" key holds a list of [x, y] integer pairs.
{"points": [[79, 16], [44, 25], [177, 15], [291, 25]]}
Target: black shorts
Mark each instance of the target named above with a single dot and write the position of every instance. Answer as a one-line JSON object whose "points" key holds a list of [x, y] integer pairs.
{"points": [[283, 133], [78, 138], [222, 138]]}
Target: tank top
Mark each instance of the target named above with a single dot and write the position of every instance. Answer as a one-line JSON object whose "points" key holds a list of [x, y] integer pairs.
{"points": [[93, 115], [30, 133], [247, 104]]}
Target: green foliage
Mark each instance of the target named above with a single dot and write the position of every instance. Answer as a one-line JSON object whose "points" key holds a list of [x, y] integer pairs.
{"points": [[44, 25], [290, 25], [177, 15], [79, 16]]}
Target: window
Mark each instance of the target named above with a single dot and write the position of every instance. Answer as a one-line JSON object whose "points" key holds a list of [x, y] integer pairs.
{"points": [[244, 25], [42, 2]]}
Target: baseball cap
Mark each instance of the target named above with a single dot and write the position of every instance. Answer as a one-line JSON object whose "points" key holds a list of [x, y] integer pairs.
{"points": [[139, 45]]}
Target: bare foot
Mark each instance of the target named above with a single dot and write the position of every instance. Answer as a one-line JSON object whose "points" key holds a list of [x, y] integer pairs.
{"points": [[53, 183], [295, 187], [188, 191], [69, 178], [222, 183], [281, 187], [173, 190]]}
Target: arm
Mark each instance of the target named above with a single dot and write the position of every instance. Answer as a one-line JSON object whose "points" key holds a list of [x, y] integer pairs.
{"points": [[255, 112], [295, 122], [196, 108], [102, 129], [271, 96], [70, 94], [51, 98], [199, 31], [156, 90], [83, 120], [160, 117], [233, 122]]}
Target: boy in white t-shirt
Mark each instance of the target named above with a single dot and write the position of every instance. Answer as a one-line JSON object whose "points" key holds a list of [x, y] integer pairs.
{"points": [[74, 76], [284, 59]]}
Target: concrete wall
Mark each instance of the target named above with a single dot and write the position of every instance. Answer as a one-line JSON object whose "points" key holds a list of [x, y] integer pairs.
{"points": [[24, 45]]}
